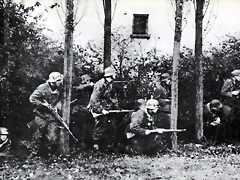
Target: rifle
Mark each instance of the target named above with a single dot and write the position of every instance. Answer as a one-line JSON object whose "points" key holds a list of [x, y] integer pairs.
{"points": [[111, 111], [123, 81], [158, 131], [55, 113]]}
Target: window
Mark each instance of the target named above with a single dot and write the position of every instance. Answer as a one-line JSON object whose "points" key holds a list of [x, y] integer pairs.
{"points": [[140, 26]]}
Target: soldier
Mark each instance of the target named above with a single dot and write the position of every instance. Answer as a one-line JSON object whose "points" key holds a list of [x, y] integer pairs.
{"points": [[45, 126], [103, 99], [230, 97], [162, 89], [140, 138], [81, 119], [231, 88], [216, 117]]}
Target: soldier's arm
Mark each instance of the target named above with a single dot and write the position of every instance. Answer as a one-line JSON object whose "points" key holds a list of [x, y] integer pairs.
{"points": [[83, 86], [95, 99], [136, 121], [37, 96], [226, 89]]}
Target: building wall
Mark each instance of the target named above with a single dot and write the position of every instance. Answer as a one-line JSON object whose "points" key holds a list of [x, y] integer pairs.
{"points": [[161, 21]]}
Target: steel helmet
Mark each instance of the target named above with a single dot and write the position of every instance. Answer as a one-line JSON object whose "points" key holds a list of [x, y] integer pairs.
{"points": [[55, 76], [152, 104], [85, 78], [109, 71], [165, 77]]}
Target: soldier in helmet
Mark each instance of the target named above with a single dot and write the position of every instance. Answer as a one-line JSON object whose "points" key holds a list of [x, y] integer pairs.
{"points": [[230, 97], [140, 138], [101, 101], [81, 119], [45, 126]]}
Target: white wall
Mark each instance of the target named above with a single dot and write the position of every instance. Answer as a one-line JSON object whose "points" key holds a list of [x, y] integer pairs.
{"points": [[161, 21]]}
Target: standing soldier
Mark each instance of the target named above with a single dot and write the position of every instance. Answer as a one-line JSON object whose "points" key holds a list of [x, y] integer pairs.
{"points": [[162, 93], [230, 96], [46, 97], [103, 99], [141, 140], [81, 118]]}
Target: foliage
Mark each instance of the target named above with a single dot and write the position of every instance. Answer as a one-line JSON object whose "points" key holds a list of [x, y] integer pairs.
{"points": [[29, 56], [190, 162]]}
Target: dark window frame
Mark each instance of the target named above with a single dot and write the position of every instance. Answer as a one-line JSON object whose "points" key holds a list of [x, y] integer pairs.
{"points": [[140, 26]]}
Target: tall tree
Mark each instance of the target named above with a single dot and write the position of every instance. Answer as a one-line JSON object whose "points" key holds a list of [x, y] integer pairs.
{"points": [[107, 5], [199, 70], [176, 58], [68, 66]]}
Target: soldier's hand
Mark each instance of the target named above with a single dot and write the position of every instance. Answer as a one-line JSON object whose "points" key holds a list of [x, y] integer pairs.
{"points": [[104, 112], [160, 131], [46, 104], [147, 132], [235, 93], [91, 84]]}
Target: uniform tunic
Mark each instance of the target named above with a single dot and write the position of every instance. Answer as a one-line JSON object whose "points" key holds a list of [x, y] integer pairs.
{"points": [[45, 125]]}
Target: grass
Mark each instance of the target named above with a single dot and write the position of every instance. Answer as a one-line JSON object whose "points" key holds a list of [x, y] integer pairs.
{"points": [[191, 163]]}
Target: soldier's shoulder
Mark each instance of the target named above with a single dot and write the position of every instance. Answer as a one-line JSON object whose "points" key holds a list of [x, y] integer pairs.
{"points": [[100, 82], [43, 86]]}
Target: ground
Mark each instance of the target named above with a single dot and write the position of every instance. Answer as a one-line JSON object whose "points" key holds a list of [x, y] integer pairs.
{"points": [[190, 162]]}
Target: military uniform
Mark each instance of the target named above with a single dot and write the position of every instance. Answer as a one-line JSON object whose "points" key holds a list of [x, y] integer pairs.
{"points": [[138, 142], [103, 97], [229, 86], [45, 125], [81, 119]]}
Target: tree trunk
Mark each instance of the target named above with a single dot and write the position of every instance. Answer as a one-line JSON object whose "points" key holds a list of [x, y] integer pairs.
{"points": [[6, 22], [68, 66], [107, 32], [2, 22], [176, 58], [199, 71]]}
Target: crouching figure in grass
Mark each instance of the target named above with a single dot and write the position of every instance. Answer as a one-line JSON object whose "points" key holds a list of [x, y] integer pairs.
{"points": [[142, 137]]}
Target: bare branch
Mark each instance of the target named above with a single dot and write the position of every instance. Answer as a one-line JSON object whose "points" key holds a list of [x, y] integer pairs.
{"points": [[208, 27], [76, 10], [61, 4], [98, 12], [59, 14], [114, 9], [206, 8], [83, 13]]}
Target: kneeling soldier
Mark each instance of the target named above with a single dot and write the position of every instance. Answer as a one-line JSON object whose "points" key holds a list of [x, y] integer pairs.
{"points": [[141, 139]]}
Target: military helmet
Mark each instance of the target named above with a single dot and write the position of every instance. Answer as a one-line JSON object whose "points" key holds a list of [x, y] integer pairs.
{"points": [[216, 104], [109, 71], [55, 76], [236, 72], [152, 104], [85, 78], [165, 77]]}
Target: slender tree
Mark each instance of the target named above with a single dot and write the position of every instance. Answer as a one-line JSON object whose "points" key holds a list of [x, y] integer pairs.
{"points": [[198, 70], [68, 66], [176, 58], [107, 5]]}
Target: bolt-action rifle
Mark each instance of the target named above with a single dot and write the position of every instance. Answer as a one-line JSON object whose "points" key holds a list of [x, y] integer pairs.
{"points": [[158, 131], [112, 111], [58, 117]]}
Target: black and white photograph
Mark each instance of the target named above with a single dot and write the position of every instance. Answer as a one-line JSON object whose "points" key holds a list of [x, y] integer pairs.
{"points": [[119, 89]]}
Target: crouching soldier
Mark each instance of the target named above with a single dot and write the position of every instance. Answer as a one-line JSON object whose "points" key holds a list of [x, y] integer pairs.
{"points": [[101, 101], [216, 118], [81, 119], [45, 126], [4, 140], [141, 137]]}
